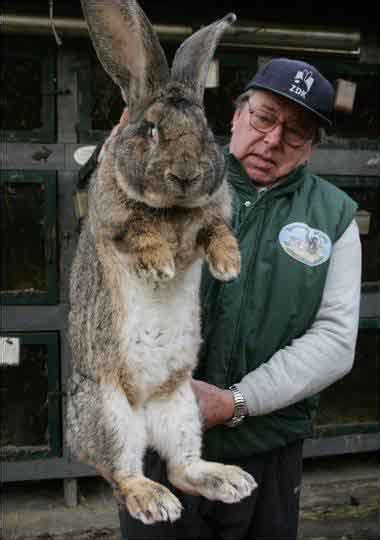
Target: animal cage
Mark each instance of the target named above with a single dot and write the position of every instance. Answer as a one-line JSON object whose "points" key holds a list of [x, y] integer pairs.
{"points": [[57, 101]]}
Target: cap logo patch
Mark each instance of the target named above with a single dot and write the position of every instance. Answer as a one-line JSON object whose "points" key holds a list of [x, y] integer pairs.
{"points": [[302, 83], [309, 246]]}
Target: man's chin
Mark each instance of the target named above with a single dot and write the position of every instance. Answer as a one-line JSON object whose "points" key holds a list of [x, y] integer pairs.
{"points": [[260, 177]]}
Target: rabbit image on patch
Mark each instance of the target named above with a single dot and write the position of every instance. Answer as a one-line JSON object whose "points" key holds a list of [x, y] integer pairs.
{"points": [[159, 205]]}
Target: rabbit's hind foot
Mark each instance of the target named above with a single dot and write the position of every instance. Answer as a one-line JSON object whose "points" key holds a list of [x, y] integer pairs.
{"points": [[149, 501], [217, 482]]}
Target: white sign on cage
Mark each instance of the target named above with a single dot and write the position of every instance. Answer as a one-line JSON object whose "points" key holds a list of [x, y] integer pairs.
{"points": [[9, 351]]}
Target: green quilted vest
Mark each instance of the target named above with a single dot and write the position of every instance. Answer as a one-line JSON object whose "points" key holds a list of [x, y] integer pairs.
{"points": [[285, 236]]}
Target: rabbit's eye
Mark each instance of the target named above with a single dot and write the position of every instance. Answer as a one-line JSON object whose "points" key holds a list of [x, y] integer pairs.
{"points": [[153, 132]]}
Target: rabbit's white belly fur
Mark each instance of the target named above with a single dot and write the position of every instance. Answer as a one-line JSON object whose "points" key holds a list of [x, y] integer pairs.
{"points": [[161, 329]]}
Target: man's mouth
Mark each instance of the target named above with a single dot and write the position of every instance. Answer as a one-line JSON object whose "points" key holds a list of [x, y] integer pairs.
{"points": [[261, 162]]}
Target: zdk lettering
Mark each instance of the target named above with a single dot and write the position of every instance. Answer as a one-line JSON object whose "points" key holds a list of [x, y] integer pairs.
{"points": [[296, 90]]}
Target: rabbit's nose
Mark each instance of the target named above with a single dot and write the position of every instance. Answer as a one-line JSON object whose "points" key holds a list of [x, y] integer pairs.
{"points": [[183, 177]]}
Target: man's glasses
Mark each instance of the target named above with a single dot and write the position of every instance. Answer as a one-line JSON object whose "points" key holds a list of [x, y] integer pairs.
{"points": [[293, 135]]}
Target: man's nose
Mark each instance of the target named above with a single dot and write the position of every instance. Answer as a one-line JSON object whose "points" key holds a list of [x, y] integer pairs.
{"points": [[274, 137]]}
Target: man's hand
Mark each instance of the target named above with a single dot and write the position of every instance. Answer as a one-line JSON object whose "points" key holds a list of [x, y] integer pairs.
{"points": [[216, 405]]}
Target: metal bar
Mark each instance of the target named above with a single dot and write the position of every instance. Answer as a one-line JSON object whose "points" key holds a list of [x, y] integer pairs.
{"points": [[299, 48], [72, 27], [260, 35], [292, 36], [29, 24]]}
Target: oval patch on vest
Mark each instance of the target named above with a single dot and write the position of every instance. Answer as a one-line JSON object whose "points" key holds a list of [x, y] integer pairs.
{"points": [[309, 246]]}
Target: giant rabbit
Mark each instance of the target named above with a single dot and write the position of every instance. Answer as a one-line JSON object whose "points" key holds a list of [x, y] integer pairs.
{"points": [[159, 204]]}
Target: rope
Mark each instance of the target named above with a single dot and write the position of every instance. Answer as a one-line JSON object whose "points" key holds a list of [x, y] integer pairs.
{"points": [[51, 16]]}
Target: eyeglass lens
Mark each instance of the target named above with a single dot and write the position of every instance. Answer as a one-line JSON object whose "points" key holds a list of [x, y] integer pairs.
{"points": [[264, 121]]}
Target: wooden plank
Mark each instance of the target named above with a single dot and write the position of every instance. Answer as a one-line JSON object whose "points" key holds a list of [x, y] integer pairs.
{"points": [[63, 468], [33, 318], [68, 228], [346, 444], [61, 157], [70, 489], [44, 469], [346, 162], [370, 303], [32, 156], [67, 107], [323, 161]]}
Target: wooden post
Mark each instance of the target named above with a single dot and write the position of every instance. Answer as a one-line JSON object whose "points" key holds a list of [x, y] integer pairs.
{"points": [[70, 487]]}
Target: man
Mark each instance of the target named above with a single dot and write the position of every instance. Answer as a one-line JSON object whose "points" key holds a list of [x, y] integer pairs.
{"points": [[286, 328]]}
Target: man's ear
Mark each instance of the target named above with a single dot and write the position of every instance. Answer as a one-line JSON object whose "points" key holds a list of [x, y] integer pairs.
{"points": [[236, 117], [124, 117], [308, 153]]}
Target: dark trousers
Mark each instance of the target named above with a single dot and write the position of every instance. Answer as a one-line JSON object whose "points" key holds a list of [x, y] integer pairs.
{"points": [[270, 513]]}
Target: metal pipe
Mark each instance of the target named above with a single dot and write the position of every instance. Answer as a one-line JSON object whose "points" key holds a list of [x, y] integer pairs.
{"points": [[260, 35], [292, 36], [29, 24]]}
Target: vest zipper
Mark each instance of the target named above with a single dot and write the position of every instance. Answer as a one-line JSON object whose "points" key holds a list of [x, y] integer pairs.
{"points": [[259, 198], [244, 297]]}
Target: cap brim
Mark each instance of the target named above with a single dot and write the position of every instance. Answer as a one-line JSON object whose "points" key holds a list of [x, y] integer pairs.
{"points": [[303, 105]]}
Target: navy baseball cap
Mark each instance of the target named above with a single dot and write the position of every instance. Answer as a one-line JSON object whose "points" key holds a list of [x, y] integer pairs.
{"points": [[298, 81]]}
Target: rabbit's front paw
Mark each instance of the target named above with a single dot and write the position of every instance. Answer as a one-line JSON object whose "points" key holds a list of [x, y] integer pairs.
{"points": [[223, 257], [215, 481], [150, 502], [156, 264]]}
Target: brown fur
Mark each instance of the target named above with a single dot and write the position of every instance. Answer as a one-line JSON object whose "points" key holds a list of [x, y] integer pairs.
{"points": [[173, 383]]}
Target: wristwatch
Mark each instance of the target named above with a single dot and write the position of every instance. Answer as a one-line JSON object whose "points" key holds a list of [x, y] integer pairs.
{"points": [[240, 407]]}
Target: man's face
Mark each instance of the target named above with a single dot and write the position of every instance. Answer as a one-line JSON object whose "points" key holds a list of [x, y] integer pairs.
{"points": [[267, 157]]}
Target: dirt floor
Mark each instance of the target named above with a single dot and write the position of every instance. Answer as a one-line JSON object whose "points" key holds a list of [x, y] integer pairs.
{"points": [[339, 500]]}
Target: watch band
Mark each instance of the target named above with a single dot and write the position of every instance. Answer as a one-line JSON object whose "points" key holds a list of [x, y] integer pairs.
{"points": [[240, 407]]}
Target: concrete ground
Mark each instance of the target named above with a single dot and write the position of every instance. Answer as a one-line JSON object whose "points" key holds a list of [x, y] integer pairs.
{"points": [[339, 500]]}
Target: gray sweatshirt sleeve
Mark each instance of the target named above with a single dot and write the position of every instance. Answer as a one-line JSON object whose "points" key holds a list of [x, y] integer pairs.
{"points": [[325, 353]]}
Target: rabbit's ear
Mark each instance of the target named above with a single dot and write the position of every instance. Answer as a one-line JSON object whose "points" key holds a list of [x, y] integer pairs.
{"points": [[192, 60], [128, 47]]}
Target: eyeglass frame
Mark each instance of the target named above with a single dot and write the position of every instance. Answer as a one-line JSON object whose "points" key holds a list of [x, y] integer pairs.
{"points": [[277, 123]]}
